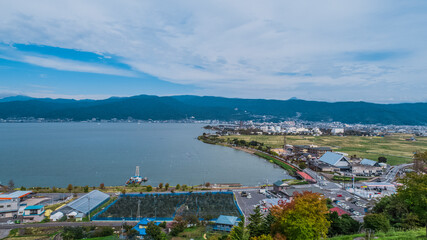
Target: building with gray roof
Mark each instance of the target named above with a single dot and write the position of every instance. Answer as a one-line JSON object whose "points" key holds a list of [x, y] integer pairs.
{"points": [[86, 203], [336, 160]]}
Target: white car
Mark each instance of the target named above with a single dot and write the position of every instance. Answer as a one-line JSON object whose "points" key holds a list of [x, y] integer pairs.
{"points": [[9, 222]]}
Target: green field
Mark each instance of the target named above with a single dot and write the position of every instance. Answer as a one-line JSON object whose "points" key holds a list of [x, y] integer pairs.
{"points": [[285, 166], [391, 235], [395, 148]]}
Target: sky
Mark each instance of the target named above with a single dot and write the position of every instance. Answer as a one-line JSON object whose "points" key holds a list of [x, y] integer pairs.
{"points": [[372, 51]]}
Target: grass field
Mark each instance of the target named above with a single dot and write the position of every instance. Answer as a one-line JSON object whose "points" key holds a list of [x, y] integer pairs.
{"points": [[285, 166], [394, 147], [391, 235]]}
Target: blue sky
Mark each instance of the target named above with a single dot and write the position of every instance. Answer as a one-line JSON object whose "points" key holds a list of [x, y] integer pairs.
{"points": [[317, 50]]}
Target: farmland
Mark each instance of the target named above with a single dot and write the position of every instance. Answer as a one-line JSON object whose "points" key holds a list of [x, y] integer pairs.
{"points": [[167, 206], [395, 148]]}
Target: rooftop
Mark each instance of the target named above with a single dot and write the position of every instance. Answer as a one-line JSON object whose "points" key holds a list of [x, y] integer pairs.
{"points": [[369, 162], [226, 220], [17, 194], [331, 158], [35, 207], [339, 211], [88, 202]]}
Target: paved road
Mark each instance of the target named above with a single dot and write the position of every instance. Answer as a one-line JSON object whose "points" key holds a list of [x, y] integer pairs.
{"points": [[4, 233], [65, 224], [391, 175]]}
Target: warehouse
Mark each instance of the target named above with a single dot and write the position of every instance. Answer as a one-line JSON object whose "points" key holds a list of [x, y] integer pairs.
{"points": [[84, 204]]}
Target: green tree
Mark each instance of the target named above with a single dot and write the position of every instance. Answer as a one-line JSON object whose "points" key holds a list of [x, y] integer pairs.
{"points": [[160, 186], [124, 191], [177, 187], [86, 189], [149, 188], [178, 226], [166, 186], [420, 158], [255, 223], [262, 237], [154, 232], [184, 187], [239, 232], [413, 193], [382, 159], [303, 218], [376, 222], [266, 224], [342, 225], [70, 187]]}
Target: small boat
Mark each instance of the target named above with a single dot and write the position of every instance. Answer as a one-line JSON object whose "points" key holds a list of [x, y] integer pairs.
{"points": [[137, 179]]}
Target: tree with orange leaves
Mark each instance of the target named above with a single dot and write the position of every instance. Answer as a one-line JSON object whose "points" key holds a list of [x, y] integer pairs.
{"points": [[303, 218]]}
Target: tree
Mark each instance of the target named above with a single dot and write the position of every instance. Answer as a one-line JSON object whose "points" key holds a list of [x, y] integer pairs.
{"points": [[124, 191], [177, 187], [262, 237], [70, 187], [178, 226], [149, 188], [376, 222], [208, 184], [266, 224], [382, 159], [302, 165], [414, 194], [154, 232], [420, 158], [101, 186], [184, 187], [160, 186], [239, 232], [166, 186], [86, 189], [342, 225], [255, 223], [11, 184], [303, 218], [54, 189]]}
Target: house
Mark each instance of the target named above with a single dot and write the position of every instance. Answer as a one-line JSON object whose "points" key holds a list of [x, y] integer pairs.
{"points": [[56, 217], [225, 223], [279, 186], [319, 151], [368, 162], [335, 159], [366, 170], [34, 213], [336, 131], [141, 226], [339, 211]]}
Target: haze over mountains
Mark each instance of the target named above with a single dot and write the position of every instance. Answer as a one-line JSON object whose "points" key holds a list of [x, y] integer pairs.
{"points": [[146, 107]]}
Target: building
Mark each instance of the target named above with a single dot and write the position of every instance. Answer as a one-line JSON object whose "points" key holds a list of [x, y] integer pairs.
{"points": [[225, 223], [9, 208], [368, 162], [36, 210], [336, 131], [319, 151], [141, 226], [17, 194], [279, 186], [339, 211], [306, 177], [292, 190], [84, 204], [336, 160]]}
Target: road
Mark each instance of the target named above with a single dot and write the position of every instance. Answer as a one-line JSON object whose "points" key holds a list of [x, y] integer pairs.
{"points": [[65, 224], [391, 175]]}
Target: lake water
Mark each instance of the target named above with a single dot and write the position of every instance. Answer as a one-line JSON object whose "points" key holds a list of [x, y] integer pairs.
{"points": [[58, 154]]}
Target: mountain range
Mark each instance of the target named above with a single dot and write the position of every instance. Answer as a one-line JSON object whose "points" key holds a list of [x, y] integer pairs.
{"points": [[146, 107]]}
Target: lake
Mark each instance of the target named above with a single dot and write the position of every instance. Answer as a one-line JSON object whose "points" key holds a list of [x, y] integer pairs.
{"points": [[58, 154]]}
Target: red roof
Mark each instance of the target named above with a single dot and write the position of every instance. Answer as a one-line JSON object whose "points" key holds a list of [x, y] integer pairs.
{"points": [[339, 211], [306, 176]]}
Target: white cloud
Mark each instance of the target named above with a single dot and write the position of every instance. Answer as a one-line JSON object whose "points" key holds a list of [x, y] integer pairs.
{"points": [[237, 48]]}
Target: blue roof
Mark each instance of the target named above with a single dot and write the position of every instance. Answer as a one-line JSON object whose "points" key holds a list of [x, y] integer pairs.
{"points": [[331, 158], [142, 225], [368, 162], [35, 207], [226, 220]]}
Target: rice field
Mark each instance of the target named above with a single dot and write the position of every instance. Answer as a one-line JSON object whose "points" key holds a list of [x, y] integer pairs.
{"points": [[166, 206], [395, 148]]}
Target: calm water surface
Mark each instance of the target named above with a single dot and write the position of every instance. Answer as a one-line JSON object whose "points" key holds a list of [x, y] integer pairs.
{"points": [[57, 154]]}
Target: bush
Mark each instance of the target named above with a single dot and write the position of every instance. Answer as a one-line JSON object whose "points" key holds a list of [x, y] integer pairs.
{"points": [[149, 188], [377, 222]]}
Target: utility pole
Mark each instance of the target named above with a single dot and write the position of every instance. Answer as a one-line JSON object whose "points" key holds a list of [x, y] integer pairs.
{"points": [[138, 214]]}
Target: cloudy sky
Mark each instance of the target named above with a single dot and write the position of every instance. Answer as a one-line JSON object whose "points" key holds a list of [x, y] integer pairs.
{"points": [[372, 51]]}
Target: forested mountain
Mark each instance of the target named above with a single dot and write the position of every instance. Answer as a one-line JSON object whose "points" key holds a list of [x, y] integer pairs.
{"points": [[147, 107]]}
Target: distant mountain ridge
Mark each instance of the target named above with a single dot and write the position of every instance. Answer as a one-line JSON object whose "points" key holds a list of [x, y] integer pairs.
{"points": [[146, 107]]}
